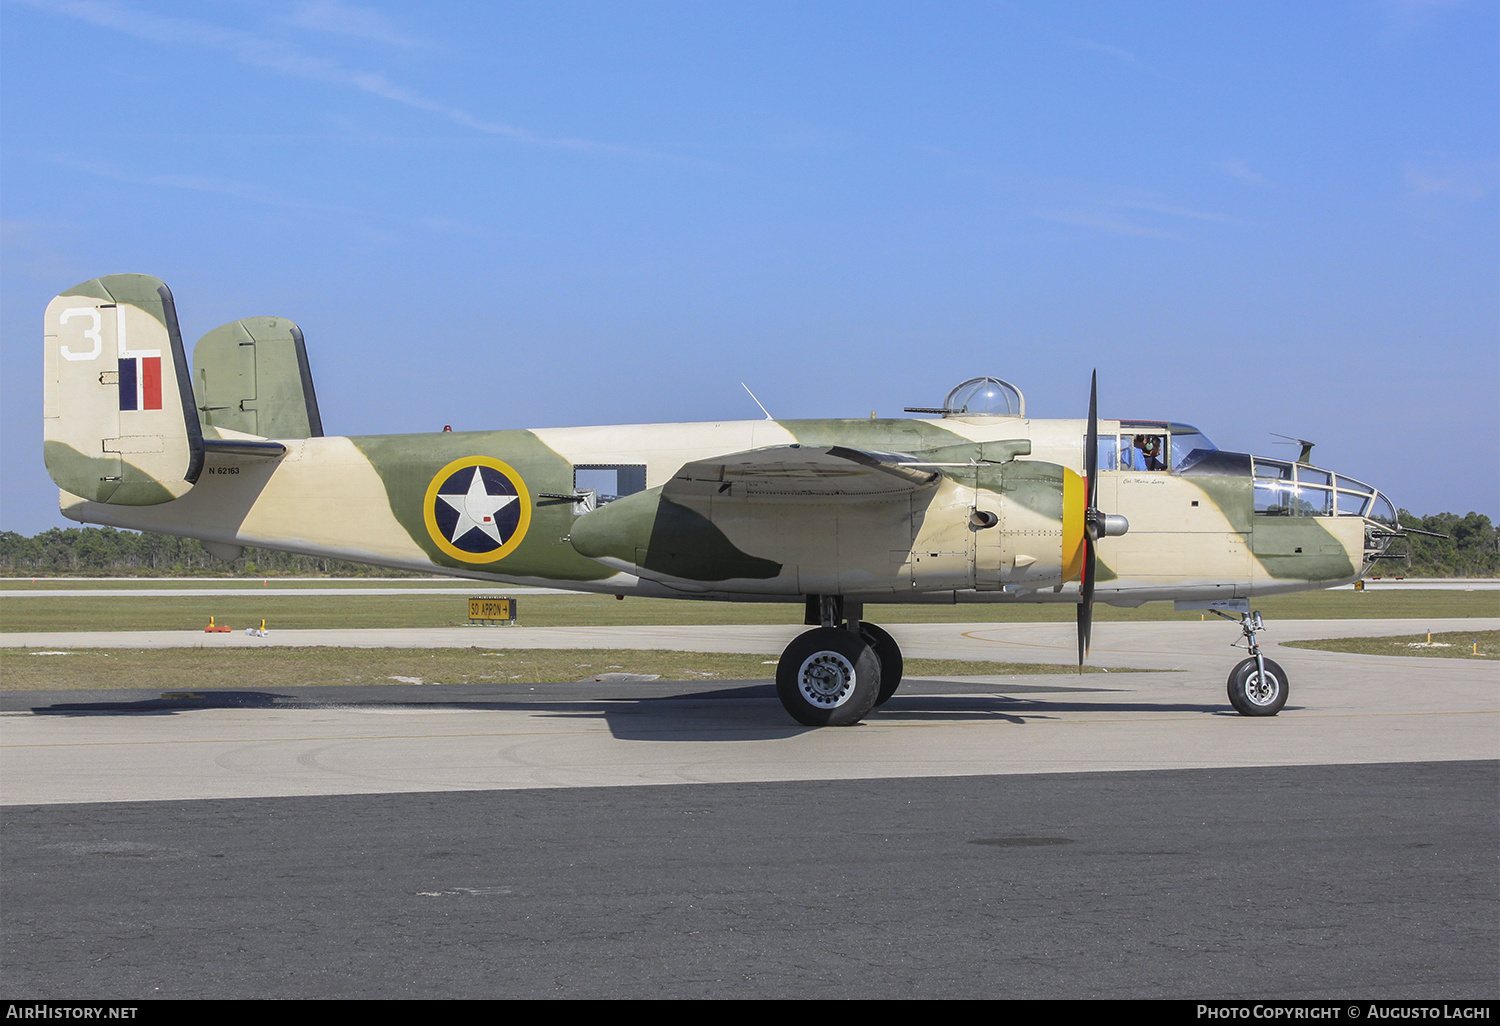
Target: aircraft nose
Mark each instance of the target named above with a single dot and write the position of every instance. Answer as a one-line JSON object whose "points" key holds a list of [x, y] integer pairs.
{"points": [[1381, 523]]}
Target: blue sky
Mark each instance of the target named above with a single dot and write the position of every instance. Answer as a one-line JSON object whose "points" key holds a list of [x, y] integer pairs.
{"points": [[1267, 217]]}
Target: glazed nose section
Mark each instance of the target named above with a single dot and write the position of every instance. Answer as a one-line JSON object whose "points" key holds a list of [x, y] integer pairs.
{"points": [[1382, 512], [1381, 526]]}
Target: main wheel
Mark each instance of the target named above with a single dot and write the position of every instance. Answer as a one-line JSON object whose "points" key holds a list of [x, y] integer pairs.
{"points": [[892, 666], [1254, 695], [828, 677]]}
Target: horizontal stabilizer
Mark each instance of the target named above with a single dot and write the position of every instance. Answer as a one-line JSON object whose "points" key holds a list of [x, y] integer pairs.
{"points": [[118, 418], [244, 449]]}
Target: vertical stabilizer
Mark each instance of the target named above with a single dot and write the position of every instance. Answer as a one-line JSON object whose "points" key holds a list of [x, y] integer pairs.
{"points": [[253, 376], [117, 407]]}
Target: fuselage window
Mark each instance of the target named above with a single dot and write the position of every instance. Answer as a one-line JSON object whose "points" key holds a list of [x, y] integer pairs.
{"points": [[1352, 504], [1134, 449], [609, 481], [1275, 492], [1297, 490]]}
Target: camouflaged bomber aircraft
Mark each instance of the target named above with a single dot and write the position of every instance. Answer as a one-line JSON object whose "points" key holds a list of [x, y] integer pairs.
{"points": [[975, 502]]}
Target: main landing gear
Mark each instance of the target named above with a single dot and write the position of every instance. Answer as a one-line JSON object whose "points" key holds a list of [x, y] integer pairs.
{"points": [[834, 674], [1257, 685]]}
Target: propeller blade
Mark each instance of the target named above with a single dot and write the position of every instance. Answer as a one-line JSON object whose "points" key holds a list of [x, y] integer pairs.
{"points": [[1086, 601], [1091, 450], [1090, 524], [1085, 626]]}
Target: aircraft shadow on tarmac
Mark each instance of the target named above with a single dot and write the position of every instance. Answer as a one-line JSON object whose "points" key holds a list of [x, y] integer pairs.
{"points": [[746, 712]]}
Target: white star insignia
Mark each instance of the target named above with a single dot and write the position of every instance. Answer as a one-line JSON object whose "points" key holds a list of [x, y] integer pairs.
{"points": [[477, 509]]}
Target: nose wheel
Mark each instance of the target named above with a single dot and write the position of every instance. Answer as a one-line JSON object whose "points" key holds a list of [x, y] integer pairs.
{"points": [[1257, 685]]}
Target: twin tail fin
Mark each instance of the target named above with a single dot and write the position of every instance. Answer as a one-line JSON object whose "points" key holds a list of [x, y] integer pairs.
{"points": [[128, 421], [119, 423]]}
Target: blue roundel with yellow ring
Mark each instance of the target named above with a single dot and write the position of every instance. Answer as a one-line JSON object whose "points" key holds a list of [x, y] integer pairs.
{"points": [[477, 509]]}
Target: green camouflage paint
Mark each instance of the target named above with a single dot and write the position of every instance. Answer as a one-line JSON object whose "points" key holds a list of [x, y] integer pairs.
{"points": [[659, 535], [90, 477], [407, 464]]}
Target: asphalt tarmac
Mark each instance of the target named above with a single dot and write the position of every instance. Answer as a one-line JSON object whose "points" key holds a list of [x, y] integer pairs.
{"points": [[1107, 836]]}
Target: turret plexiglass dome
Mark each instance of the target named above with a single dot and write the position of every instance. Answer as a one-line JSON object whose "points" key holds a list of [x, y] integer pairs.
{"points": [[985, 397]]}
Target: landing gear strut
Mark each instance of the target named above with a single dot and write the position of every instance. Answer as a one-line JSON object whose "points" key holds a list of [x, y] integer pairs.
{"points": [[1257, 685], [834, 674]]}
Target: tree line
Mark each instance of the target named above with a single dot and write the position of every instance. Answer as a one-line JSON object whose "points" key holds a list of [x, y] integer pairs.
{"points": [[106, 552], [1471, 549]]}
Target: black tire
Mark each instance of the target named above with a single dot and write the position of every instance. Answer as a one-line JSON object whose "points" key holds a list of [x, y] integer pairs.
{"points": [[828, 677], [892, 665], [1251, 696]]}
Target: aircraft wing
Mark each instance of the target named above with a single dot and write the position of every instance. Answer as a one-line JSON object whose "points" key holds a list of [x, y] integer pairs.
{"points": [[789, 472], [764, 515]]}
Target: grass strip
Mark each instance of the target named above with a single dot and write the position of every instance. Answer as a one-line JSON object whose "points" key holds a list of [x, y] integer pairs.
{"points": [[196, 668], [1445, 645], [295, 612], [246, 584]]}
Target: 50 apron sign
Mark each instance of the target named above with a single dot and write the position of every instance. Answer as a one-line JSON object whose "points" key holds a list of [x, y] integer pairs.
{"points": [[491, 611]]}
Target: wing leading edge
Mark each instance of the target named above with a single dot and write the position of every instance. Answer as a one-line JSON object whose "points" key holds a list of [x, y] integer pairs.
{"points": [[790, 472]]}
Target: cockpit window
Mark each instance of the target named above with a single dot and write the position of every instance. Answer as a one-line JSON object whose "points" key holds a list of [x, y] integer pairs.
{"points": [[1188, 446], [1153, 446]]}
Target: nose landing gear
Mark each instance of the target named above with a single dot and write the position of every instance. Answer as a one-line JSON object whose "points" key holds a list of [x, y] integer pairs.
{"points": [[1257, 685]]}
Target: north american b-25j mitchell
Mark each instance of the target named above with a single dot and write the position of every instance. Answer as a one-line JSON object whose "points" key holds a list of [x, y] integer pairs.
{"points": [[974, 502]]}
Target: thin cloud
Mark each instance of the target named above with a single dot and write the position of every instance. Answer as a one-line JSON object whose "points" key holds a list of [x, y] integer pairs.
{"points": [[239, 190], [1188, 212], [1464, 183], [1125, 57], [1104, 223], [280, 57], [354, 22], [1406, 15], [251, 192], [1119, 54], [1237, 169]]}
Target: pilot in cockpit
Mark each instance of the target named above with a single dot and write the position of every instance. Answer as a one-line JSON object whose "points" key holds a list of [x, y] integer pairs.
{"points": [[1153, 450]]}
